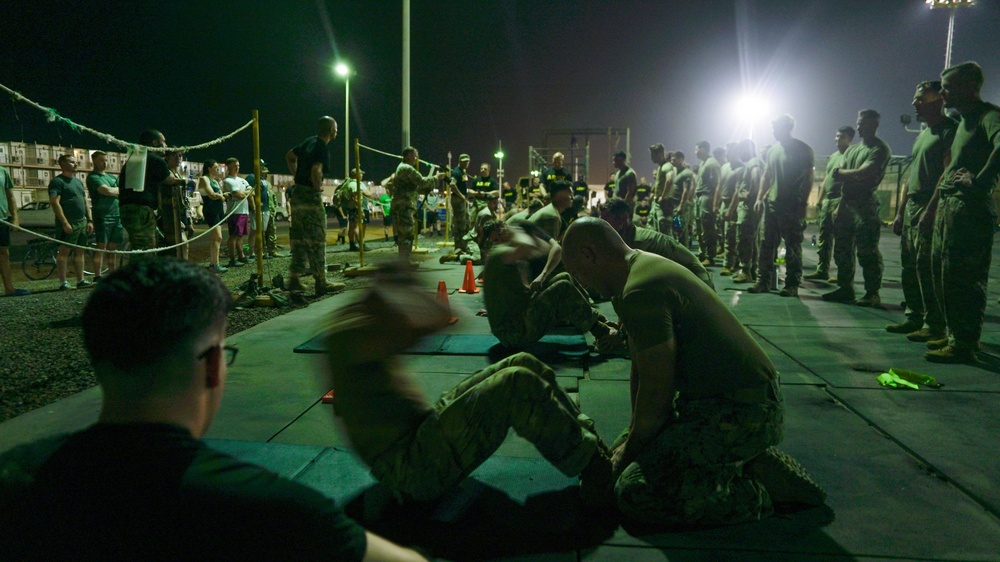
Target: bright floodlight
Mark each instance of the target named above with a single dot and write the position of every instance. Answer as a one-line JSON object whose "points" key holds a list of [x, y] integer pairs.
{"points": [[342, 70], [950, 3], [752, 107], [499, 154]]}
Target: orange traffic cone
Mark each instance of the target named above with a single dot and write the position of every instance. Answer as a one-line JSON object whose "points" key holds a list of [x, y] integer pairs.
{"points": [[328, 397], [469, 284], [442, 296]]}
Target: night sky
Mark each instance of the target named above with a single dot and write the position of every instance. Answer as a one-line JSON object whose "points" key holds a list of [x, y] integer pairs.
{"points": [[482, 72]]}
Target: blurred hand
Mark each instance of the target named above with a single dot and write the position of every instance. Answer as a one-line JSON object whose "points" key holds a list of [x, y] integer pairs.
{"points": [[67, 228], [897, 226]]}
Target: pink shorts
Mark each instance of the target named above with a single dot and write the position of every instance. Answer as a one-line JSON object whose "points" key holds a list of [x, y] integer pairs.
{"points": [[239, 225]]}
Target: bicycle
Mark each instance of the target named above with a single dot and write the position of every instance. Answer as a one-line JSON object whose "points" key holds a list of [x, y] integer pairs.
{"points": [[40, 258]]}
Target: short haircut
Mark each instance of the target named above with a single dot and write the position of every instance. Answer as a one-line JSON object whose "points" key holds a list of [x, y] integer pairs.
{"points": [[558, 155], [559, 186], [656, 148], [149, 137], [97, 153], [408, 151], [967, 72], [704, 145], [621, 154], [869, 114], [719, 152], [534, 204], [141, 314], [677, 154], [206, 168], [489, 227], [930, 86], [848, 131], [64, 157], [232, 160], [616, 206], [325, 124]]}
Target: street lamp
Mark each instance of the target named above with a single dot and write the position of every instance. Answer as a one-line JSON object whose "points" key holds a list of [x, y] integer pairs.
{"points": [[499, 156], [751, 108], [345, 72], [952, 5]]}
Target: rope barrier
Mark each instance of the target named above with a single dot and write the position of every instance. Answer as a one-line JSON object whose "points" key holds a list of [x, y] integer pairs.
{"points": [[433, 165], [129, 252], [53, 117]]}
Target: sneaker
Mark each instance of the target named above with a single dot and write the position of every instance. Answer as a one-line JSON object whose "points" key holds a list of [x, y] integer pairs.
{"points": [[938, 343], [817, 276], [596, 480], [832, 280], [83, 283], [234, 263], [789, 292], [870, 300], [843, 294], [218, 268], [952, 354], [743, 278], [244, 260], [64, 285], [925, 335], [725, 272], [785, 480], [908, 327], [708, 262], [759, 288]]}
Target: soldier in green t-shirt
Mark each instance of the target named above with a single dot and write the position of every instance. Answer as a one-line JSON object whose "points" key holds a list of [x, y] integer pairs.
{"points": [[730, 173], [829, 198], [966, 216], [103, 189], [931, 153], [706, 186], [707, 408], [857, 226], [662, 216], [788, 177], [681, 197]]}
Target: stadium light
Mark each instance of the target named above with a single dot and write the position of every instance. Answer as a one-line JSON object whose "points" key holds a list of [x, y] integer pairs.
{"points": [[751, 109], [951, 5]]}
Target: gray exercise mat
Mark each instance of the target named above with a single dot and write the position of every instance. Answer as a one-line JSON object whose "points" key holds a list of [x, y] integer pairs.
{"points": [[883, 502]]}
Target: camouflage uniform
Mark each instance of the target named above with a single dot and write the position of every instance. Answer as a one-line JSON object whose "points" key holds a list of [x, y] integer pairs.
{"points": [[708, 183], [469, 422], [831, 199], [139, 222], [307, 233], [271, 233], [407, 184], [727, 227], [857, 227], [748, 220], [692, 472], [459, 218], [465, 249]]}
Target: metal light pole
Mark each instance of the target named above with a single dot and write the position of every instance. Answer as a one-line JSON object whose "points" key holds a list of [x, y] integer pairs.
{"points": [[344, 72], [406, 73], [499, 156], [952, 5]]}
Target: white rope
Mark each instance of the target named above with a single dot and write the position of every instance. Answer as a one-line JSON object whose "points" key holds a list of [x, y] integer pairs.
{"points": [[433, 165], [128, 252], [53, 116]]}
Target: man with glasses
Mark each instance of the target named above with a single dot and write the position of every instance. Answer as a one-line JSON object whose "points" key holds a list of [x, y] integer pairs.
{"points": [[139, 483]]}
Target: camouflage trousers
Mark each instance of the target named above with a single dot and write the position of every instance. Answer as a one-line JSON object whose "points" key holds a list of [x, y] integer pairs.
{"points": [[469, 251], [459, 219], [856, 230], [686, 236], [404, 221], [707, 236], [271, 236], [728, 235], [140, 223], [562, 301], [917, 275], [747, 245], [789, 226], [692, 472], [824, 243], [307, 238], [962, 251], [470, 421]]}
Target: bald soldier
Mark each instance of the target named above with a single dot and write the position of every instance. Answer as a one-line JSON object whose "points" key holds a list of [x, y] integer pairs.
{"points": [[706, 405], [616, 213]]}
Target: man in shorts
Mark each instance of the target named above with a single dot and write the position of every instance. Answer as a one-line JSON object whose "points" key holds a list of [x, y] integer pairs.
{"points": [[73, 220], [8, 212], [239, 222], [108, 229]]}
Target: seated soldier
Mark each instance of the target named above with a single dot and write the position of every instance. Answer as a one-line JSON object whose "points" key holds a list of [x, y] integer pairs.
{"points": [[475, 244], [707, 409], [525, 297], [139, 484], [618, 215], [419, 451], [534, 205]]}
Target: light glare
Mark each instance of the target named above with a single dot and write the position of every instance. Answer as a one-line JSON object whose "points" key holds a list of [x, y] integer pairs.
{"points": [[342, 70]]}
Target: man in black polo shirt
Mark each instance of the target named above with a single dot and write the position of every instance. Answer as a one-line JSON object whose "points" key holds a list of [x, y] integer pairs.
{"points": [[139, 484], [138, 203]]}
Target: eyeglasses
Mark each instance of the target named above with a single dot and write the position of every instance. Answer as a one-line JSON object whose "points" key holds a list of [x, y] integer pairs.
{"points": [[229, 351]]}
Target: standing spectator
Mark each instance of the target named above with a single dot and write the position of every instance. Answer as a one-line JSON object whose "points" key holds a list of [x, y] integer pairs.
{"points": [[138, 203], [73, 221], [174, 207], [214, 209], [555, 173], [707, 184], [8, 212], [350, 206], [431, 217], [385, 201], [829, 197], [307, 235], [460, 225], [239, 221], [625, 181], [108, 229], [266, 202], [407, 184]]}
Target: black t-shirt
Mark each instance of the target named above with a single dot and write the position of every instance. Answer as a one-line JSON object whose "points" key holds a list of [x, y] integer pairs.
{"points": [[483, 185], [552, 175], [509, 194], [153, 492], [311, 151], [461, 178], [581, 188], [156, 172], [642, 191]]}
